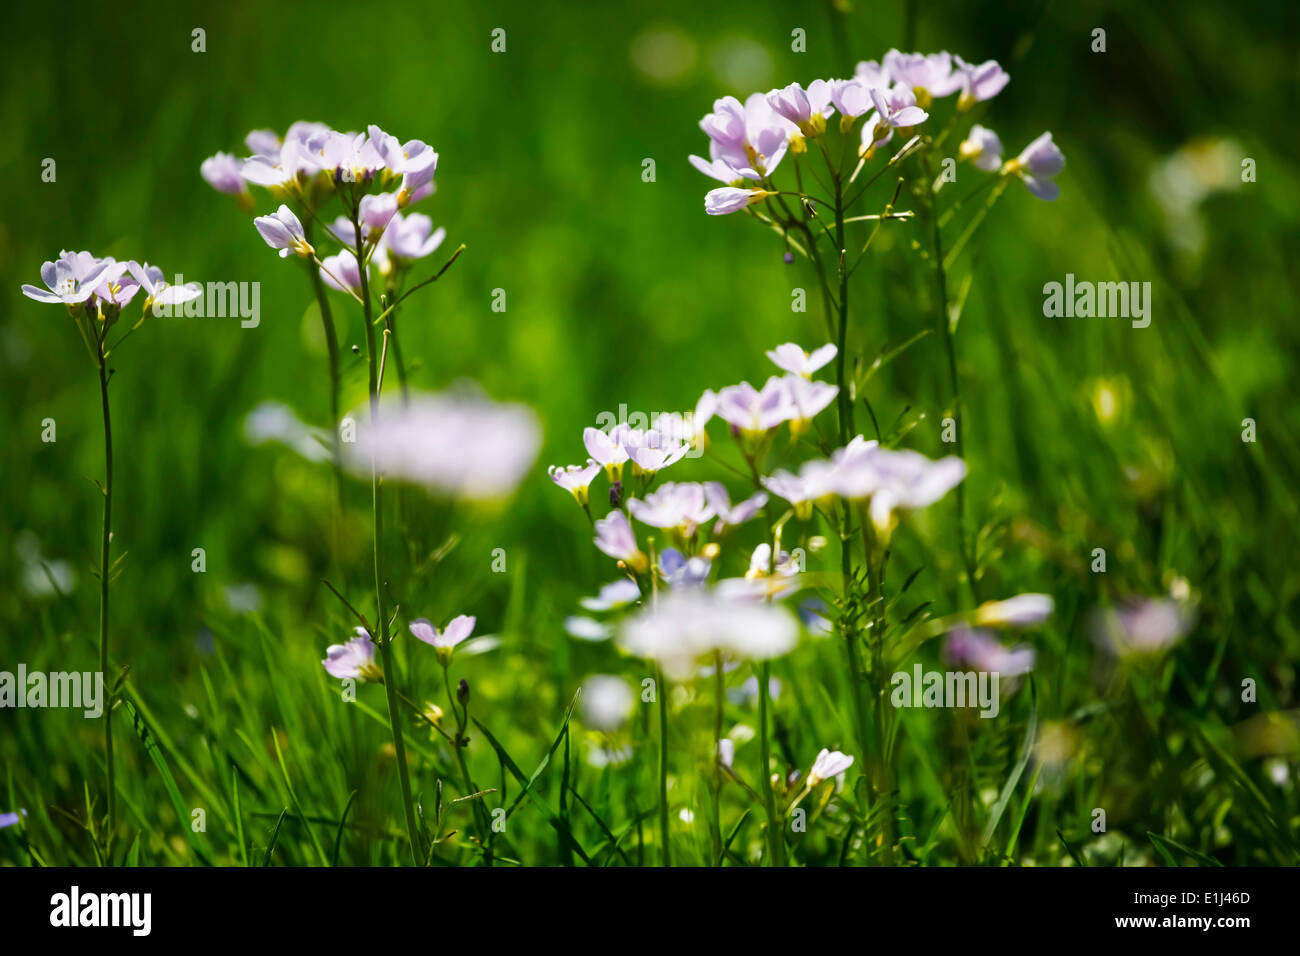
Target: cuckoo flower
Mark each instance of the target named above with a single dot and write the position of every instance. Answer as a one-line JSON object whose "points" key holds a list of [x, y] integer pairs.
{"points": [[1143, 627], [978, 82], [807, 109], [614, 537], [749, 137], [1023, 610], [872, 75], [458, 444], [791, 358], [614, 595], [222, 173], [575, 479], [415, 161], [445, 640], [354, 660], [731, 515], [807, 398], [162, 296], [927, 76], [607, 702], [73, 278], [896, 109], [906, 480], [680, 507], [412, 237], [683, 572], [284, 231], [341, 272], [982, 651], [728, 199], [829, 763], [982, 148], [1036, 165], [752, 412], [809, 486]]}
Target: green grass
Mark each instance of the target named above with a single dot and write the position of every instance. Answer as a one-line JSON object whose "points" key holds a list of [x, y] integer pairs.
{"points": [[622, 291]]}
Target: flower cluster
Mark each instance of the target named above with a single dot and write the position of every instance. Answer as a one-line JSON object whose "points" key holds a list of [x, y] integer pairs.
{"points": [[99, 289], [897, 94], [375, 176]]}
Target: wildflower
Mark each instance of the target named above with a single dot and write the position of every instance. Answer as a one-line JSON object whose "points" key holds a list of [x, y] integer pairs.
{"points": [[10, 819], [727, 514], [980, 650], [688, 624], [926, 76], [652, 451], [340, 271], [909, 480], [829, 763], [683, 572], [443, 641], [791, 358], [807, 398], [354, 660], [284, 231], [587, 629], [607, 702], [348, 157], [852, 98], [614, 537], [375, 212], [729, 199], [221, 172], [575, 479], [803, 490], [1023, 610], [723, 171], [982, 149], [896, 108], [614, 595], [808, 110], [1143, 627], [1036, 165], [459, 444], [605, 451], [412, 237], [750, 137], [677, 506], [74, 277], [415, 161], [978, 82], [726, 753], [872, 75], [753, 412], [158, 291]]}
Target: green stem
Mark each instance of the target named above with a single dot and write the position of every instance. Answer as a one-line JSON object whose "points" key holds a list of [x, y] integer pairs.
{"points": [[377, 514], [663, 766], [775, 837], [105, 546], [720, 691]]}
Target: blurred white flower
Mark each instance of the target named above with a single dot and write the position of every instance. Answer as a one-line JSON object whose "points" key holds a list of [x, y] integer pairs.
{"points": [[829, 763], [459, 444], [607, 702]]}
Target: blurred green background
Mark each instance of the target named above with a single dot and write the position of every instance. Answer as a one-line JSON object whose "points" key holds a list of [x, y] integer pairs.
{"points": [[623, 291]]}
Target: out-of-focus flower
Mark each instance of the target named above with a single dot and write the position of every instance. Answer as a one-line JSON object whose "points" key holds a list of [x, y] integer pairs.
{"points": [[982, 651], [614, 537], [729, 199], [1023, 610], [614, 595], [1036, 165], [676, 506], [927, 76], [284, 231], [754, 412], [221, 172], [978, 81], [354, 660], [852, 98], [457, 443], [803, 490], [726, 752], [791, 358], [340, 271], [688, 624], [411, 237], [727, 514], [607, 702], [872, 75], [683, 572], [829, 763], [587, 629], [73, 278], [893, 479], [575, 479], [807, 399], [982, 149], [9, 819], [1143, 627], [275, 421], [443, 641]]}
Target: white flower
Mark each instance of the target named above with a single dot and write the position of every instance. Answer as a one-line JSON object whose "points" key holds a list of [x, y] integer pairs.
{"points": [[983, 148], [461, 445], [829, 763], [677, 506], [1023, 610], [791, 358], [354, 660], [575, 479], [606, 702]]}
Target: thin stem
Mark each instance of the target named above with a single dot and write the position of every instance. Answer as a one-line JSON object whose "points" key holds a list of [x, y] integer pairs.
{"points": [[105, 547], [377, 515], [719, 694], [663, 765], [775, 838]]}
